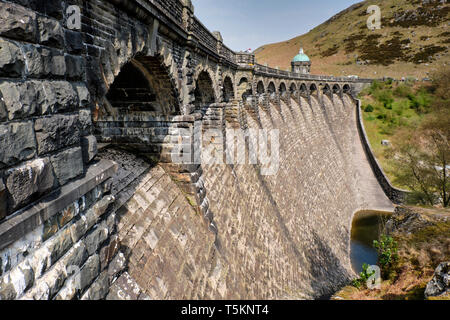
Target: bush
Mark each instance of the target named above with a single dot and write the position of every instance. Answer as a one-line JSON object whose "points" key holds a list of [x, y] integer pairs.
{"points": [[388, 257], [364, 275], [369, 108]]}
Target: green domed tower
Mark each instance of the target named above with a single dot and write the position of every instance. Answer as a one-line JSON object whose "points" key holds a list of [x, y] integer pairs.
{"points": [[301, 63]]}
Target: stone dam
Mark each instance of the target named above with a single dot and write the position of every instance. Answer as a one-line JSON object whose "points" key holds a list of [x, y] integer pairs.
{"points": [[92, 205]]}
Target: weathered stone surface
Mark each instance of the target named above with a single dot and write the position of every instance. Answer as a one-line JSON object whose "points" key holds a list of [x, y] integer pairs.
{"points": [[74, 67], [89, 148], [17, 143], [19, 99], [56, 96], [85, 122], [99, 289], [17, 22], [44, 62], [116, 266], [51, 227], [28, 181], [74, 42], [7, 291], [59, 245], [95, 238], [124, 288], [3, 204], [68, 164], [440, 284], [56, 132], [12, 62], [50, 32], [67, 215], [89, 271]]}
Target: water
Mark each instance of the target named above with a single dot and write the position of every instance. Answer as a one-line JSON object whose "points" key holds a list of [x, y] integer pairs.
{"points": [[366, 227]]}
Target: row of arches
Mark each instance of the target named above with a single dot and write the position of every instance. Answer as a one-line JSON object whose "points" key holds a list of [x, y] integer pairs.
{"points": [[143, 85]]}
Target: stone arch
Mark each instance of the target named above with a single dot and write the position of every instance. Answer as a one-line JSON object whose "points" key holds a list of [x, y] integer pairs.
{"points": [[228, 89], [282, 88], [293, 88], [336, 89], [204, 90], [244, 88], [303, 89], [347, 89], [271, 89], [260, 87], [326, 89], [313, 89]]}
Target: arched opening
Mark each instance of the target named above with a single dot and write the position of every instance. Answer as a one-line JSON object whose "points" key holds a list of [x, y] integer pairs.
{"points": [[326, 89], [260, 87], [204, 92], [293, 89], [313, 89], [282, 89], [303, 90], [347, 89], [272, 90], [244, 89], [143, 85], [228, 91], [336, 89]]}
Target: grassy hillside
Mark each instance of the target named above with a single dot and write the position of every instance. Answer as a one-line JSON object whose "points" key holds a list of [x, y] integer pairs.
{"points": [[413, 41]]}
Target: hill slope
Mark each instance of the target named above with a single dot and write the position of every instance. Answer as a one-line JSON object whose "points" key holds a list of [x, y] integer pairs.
{"points": [[413, 41]]}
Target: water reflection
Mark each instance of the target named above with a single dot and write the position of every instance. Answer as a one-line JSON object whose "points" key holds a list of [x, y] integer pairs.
{"points": [[366, 227]]}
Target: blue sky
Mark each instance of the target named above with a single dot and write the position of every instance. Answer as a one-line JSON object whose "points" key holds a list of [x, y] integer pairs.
{"points": [[251, 23]]}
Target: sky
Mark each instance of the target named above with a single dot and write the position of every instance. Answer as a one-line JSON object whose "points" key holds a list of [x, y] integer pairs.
{"points": [[249, 24]]}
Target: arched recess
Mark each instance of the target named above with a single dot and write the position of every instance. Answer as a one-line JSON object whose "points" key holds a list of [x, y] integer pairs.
{"points": [[271, 89], [326, 89], [204, 90], [244, 89], [142, 85], [282, 89], [293, 88], [313, 89], [228, 89], [260, 87], [336, 89], [346, 88], [303, 90]]}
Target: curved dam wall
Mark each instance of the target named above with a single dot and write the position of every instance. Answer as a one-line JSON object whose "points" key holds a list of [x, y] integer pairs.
{"points": [[282, 236]]}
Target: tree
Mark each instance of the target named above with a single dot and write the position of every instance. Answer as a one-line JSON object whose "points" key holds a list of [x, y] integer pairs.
{"points": [[422, 156]]}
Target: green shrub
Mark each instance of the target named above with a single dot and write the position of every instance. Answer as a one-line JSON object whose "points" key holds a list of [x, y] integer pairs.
{"points": [[364, 275], [388, 257], [369, 108]]}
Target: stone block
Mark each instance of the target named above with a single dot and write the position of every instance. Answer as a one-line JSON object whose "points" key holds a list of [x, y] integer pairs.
{"points": [[99, 289], [50, 32], [28, 182], [53, 8], [68, 164], [94, 239], [57, 132], [17, 22], [117, 265], [43, 62], [85, 122], [66, 215], [17, 143], [55, 96], [12, 62], [74, 67], [19, 99], [89, 271], [59, 245], [74, 42], [51, 227], [89, 148], [3, 204]]}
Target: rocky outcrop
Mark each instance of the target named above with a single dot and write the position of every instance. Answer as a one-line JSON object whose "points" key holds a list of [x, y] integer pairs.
{"points": [[440, 284]]}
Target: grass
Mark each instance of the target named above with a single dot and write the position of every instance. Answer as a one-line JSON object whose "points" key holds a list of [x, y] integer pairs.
{"points": [[409, 46], [388, 107]]}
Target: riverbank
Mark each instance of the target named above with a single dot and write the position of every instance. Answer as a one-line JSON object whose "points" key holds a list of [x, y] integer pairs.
{"points": [[423, 237]]}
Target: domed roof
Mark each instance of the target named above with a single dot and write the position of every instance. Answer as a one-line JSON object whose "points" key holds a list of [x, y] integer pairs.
{"points": [[301, 57]]}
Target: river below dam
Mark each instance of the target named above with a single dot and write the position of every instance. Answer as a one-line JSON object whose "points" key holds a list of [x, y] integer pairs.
{"points": [[366, 227]]}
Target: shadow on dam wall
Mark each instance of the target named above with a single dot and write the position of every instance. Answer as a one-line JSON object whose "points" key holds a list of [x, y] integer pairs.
{"points": [[284, 236]]}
